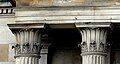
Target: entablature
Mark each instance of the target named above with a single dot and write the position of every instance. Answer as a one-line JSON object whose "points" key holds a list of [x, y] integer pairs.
{"points": [[57, 15]]}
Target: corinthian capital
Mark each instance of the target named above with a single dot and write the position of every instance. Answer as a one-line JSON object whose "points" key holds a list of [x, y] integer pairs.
{"points": [[94, 40], [94, 36], [28, 37]]}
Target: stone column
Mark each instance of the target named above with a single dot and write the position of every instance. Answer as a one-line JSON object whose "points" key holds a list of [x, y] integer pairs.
{"points": [[28, 47], [44, 51], [93, 45]]}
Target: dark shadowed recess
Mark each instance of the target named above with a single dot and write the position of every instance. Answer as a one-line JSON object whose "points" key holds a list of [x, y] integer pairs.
{"points": [[65, 43]]}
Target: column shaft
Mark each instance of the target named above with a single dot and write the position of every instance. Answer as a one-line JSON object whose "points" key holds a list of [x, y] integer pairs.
{"points": [[27, 60], [93, 59]]}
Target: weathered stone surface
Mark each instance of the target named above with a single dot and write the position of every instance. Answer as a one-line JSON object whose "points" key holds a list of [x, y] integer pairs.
{"points": [[5, 35], [4, 52], [7, 62], [40, 3], [33, 2], [11, 53], [23, 2]]}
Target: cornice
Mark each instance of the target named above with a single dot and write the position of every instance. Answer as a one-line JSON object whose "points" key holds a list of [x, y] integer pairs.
{"points": [[25, 26], [93, 24]]}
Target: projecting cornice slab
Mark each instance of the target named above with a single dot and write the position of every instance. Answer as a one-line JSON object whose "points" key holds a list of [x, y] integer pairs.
{"points": [[26, 26], [93, 24]]}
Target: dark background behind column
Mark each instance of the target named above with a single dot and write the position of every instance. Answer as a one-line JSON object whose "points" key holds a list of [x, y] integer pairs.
{"points": [[64, 48]]}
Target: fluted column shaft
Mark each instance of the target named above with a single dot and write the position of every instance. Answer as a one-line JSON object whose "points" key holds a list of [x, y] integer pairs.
{"points": [[27, 49], [93, 59], [27, 60], [93, 45]]}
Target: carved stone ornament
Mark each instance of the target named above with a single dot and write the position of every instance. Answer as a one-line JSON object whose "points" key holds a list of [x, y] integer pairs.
{"points": [[28, 41], [94, 40], [84, 47], [27, 48], [93, 47]]}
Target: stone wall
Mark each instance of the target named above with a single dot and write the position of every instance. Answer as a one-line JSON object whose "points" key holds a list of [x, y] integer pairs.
{"points": [[6, 41]]}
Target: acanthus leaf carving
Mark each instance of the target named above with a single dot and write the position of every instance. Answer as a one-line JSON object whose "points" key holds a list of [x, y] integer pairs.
{"points": [[27, 48], [84, 46], [93, 46], [94, 40]]}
